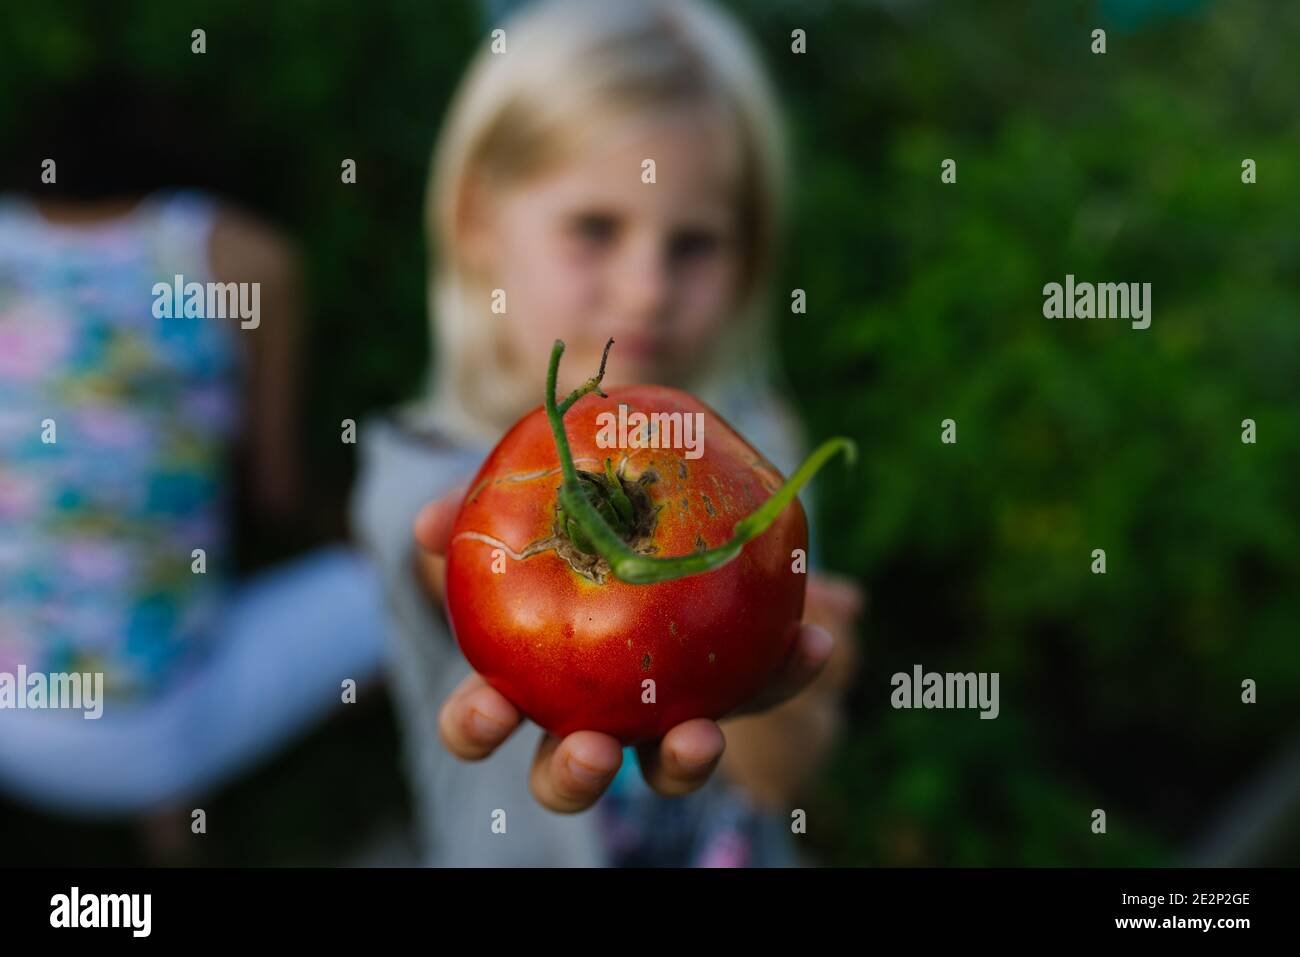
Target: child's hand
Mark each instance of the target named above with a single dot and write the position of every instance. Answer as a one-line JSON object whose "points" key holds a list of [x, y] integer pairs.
{"points": [[569, 775], [775, 756]]}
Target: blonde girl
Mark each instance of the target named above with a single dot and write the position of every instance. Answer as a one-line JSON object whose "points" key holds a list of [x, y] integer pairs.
{"points": [[606, 169]]}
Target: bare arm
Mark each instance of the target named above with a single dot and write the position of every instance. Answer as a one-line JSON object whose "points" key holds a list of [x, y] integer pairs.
{"points": [[244, 249]]}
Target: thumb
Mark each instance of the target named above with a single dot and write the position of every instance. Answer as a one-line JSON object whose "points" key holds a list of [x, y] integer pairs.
{"points": [[434, 522], [834, 595]]}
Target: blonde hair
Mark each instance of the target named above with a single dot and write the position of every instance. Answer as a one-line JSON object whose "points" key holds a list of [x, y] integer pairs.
{"points": [[568, 66]]}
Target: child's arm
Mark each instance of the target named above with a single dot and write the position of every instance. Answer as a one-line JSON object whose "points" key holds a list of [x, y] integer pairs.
{"points": [[244, 249]]}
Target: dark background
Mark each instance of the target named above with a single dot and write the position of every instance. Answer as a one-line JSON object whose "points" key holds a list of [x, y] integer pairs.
{"points": [[1119, 691]]}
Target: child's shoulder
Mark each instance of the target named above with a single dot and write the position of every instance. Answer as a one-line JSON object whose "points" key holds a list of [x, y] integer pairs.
{"points": [[403, 464]]}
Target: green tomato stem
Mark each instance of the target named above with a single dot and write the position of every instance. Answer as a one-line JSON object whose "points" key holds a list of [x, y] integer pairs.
{"points": [[625, 564]]}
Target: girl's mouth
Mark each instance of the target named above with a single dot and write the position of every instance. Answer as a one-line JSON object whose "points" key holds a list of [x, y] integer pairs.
{"points": [[641, 348]]}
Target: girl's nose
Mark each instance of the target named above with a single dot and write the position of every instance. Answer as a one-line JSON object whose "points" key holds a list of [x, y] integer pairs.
{"points": [[645, 283]]}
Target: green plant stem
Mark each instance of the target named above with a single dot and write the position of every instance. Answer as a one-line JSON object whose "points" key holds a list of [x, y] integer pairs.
{"points": [[625, 564]]}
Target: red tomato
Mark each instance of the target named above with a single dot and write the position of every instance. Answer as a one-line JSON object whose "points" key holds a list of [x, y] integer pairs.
{"points": [[570, 646]]}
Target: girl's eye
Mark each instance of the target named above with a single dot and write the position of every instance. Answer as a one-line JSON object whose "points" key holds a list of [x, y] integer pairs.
{"points": [[594, 229], [693, 244]]}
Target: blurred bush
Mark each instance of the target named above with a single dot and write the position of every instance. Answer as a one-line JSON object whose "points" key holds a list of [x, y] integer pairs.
{"points": [[1119, 691]]}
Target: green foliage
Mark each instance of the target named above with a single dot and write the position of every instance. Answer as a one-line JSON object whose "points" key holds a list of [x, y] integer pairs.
{"points": [[1120, 690]]}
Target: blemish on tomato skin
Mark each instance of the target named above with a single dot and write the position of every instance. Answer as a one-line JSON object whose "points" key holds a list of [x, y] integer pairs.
{"points": [[645, 661], [490, 480], [748, 494], [708, 506], [712, 657]]}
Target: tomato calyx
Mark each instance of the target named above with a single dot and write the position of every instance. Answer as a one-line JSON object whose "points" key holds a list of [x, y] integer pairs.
{"points": [[623, 504], [582, 496], [626, 506]]}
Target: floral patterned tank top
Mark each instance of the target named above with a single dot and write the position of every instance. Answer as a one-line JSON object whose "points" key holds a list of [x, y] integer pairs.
{"points": [[114, 433]]}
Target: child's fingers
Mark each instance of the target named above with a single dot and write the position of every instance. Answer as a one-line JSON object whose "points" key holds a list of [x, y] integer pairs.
{"points": [[684, 759], [811, 652], [834, 596], [432, 571], [568, 776], [432, 530], [836, 604], [475, 719], [434, 521]]}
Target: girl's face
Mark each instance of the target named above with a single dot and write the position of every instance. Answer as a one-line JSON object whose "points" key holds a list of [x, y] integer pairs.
{"points": [[589, 251]]}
